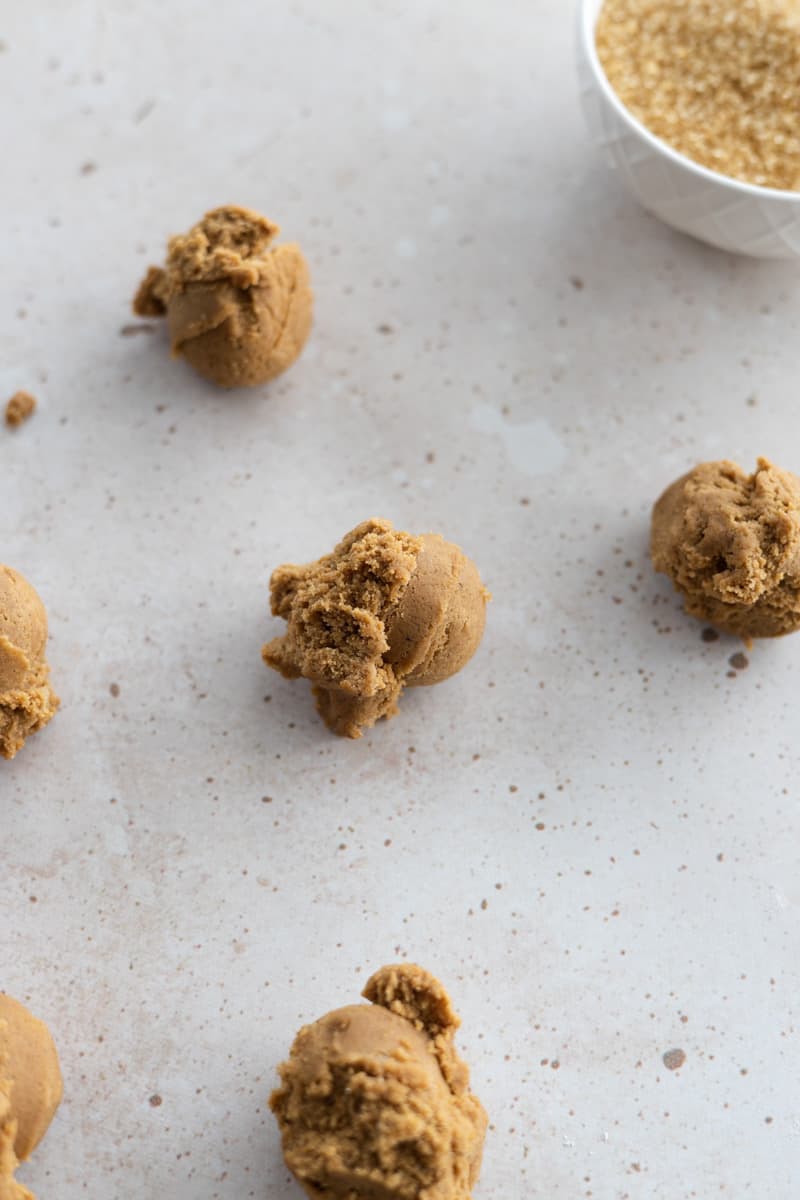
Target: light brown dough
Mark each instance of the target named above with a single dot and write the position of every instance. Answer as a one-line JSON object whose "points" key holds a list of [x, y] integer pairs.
{"points": [[730, 542], [27, 702], [238, 308], [30, 1090], [20, 407], [374, 1102], [386, 610]]}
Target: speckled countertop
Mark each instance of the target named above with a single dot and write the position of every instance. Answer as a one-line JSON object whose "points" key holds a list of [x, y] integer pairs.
{"points": [[591, 833]]}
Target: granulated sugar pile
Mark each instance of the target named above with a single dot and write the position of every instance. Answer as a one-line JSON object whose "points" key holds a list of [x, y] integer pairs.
{"points": [[719, 80]]}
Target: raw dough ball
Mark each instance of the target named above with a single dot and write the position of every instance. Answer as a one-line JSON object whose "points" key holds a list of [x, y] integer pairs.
{"points": [[374, 1102], [238, 309], [27, 702], [384, 611], [730, 542], [30, 1090]]}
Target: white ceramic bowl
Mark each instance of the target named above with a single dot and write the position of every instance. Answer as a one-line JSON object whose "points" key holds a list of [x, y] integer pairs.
{"points": [[741, 217]]}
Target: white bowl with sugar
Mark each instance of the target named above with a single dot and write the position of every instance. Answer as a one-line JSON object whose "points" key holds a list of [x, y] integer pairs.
{"points": [[724, 212]]}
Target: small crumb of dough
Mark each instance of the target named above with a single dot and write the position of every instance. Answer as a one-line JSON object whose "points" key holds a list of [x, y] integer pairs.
{"points": [[374, 1102], [27, 702], [238, 308], [386, 610], [30, 1090], [21, 406], [730, 543]]}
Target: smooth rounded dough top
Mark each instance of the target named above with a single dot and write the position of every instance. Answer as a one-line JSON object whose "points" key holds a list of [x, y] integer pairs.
{"points": [[30, 1075], [23, 628], [730, 542], [439, 622]]}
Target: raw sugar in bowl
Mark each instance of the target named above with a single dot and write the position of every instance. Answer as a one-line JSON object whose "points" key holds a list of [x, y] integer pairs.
{"points": [[734, 215]]}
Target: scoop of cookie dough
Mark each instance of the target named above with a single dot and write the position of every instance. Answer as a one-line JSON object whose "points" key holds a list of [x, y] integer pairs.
{"points": [[27, 702], [30, 1090], [386, 610], [730, 542], [238, 308], [374, 1102]]}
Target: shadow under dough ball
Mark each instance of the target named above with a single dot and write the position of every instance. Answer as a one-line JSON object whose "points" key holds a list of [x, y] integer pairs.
{"points": [[385, 611], [30, 1090], [730, 542], [238, 308], [374, 1101], [27, 702]]}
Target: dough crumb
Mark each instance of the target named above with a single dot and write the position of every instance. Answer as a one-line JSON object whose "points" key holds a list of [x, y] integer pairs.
{"points": [[384, 611], [30, 1090], [20, 407], [730, 542], [27, 702], [238, 308], [374, 1101]]}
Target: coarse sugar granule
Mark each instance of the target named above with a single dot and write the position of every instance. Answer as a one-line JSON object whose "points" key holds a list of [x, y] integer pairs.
{"points": [[718, 80]]}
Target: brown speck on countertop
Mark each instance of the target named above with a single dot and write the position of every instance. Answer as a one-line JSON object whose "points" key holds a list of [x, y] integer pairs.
{"points": [[709, 635], [577, 282], [384, 328], [155, 1100], [88, 168], [674, 1059], [430, 457], [484, 904], [114, 689], [143, 111], [739, 661], [138, 327], [21, 406]]}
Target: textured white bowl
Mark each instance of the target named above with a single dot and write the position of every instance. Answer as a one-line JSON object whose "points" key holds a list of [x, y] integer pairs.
{"points": [[740, 217]]}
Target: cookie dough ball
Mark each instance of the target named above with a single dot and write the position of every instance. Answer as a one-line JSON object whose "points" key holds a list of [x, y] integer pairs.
{"points": [[374, 1101], [730, 542], [386, 610], [27, 702], [238, 308], [30, 1090]]}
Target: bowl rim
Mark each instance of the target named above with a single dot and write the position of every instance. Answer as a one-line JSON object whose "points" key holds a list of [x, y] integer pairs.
{"points": [[589, 14]]}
